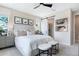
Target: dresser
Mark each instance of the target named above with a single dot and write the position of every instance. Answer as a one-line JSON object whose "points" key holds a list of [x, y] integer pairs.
{"points": [[6, 41]]}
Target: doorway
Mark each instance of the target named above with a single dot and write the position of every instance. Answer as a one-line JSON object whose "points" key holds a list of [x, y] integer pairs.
{"points": [[77, 28], [51, 27]]}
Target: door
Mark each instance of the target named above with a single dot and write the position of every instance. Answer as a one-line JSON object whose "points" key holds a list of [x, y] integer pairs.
{"points": [[77, 28]]}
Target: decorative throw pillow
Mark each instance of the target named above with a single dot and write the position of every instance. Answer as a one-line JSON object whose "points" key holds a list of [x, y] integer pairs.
{"points": [[22, 33]]}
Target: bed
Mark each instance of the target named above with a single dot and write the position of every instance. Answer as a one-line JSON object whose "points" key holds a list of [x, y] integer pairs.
{"points": [[27, 44]]}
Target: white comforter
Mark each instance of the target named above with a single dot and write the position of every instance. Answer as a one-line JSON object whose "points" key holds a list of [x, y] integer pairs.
{"points": [[26, 44]]}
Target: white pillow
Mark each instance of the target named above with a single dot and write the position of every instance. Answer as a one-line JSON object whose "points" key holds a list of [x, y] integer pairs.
{"points": [[15, 33], [20, 33], [29, 33]]}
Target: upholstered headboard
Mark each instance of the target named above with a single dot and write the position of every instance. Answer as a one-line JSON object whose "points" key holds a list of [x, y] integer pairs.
{"points": [[21, 27]]}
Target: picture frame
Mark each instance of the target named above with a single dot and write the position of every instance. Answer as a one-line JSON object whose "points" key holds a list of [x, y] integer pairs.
{"points": [[25, 21], [61, 28], [62, 25], [62, 21], [17, 20], [30, 22]]}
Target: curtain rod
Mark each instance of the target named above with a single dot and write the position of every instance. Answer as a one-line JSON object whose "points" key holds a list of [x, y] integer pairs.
{"points": [[47, 17]]}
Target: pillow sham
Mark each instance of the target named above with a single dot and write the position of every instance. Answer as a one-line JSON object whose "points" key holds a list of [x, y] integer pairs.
{"points": [[20, 33]]}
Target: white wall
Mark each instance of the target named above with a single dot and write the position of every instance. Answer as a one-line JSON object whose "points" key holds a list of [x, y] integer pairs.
{"points": [[4, 11], [63, 37]]}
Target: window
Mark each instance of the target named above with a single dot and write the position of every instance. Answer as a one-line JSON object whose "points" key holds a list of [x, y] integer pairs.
{"points": [[3, 25]]}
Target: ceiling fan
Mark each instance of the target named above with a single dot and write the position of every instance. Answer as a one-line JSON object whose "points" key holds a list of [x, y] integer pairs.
{"points": [[44, 4]]}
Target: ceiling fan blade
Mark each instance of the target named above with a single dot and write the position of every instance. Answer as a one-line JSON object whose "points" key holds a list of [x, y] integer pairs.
{"points": [[48, 5], [37, 6]]}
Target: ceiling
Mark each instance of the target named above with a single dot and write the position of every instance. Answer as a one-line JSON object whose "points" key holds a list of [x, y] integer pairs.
{"points": [[42, 10]]}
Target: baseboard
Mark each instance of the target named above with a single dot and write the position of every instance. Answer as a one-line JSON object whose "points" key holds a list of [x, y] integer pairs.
{"points": [[7, 47]]}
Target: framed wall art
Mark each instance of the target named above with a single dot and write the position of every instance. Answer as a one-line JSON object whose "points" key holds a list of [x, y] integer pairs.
{"points": [[61, 28], [63, 21], [17, 20], [62, 25], [30, 22], [25, 21]]}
